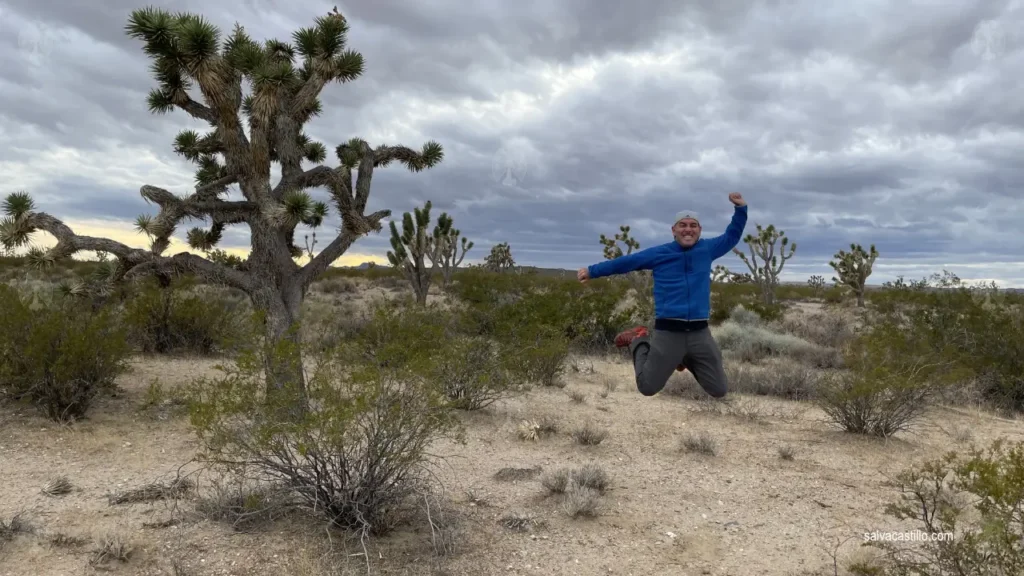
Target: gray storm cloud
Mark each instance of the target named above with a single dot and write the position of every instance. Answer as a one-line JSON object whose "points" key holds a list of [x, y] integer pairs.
{"points": [[889, 123]]}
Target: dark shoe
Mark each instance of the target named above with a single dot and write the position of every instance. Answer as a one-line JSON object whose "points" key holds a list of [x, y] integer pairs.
{"points": [[626, 338]]}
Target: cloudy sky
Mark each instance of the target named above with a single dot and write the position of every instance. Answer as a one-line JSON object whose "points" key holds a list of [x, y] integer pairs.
{"points": [[898, 123]]}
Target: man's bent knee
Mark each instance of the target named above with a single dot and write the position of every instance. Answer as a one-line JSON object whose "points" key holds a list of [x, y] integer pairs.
{"points": [[646, 388]]}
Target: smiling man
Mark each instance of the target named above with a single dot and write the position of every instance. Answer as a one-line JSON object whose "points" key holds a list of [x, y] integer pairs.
{"points": [[682, 303]]}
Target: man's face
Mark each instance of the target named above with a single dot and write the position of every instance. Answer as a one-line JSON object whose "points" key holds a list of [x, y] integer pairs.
{"points": [[686, 232]]}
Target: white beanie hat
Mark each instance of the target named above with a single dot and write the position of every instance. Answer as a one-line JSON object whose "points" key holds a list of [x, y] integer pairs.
{"points": [[686, 214]]}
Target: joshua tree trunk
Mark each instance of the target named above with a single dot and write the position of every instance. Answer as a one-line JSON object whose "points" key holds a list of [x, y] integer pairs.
{"points": [[189, 53]]}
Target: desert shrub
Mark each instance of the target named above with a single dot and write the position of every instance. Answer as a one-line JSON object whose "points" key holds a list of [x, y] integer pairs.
{"points": [[978, 328], [584, 316], [165, 319], [826, 329], [58, 356], [782, 380], [358, 453], [978, 499], [755, 342], [892, 380], [472, 373]]}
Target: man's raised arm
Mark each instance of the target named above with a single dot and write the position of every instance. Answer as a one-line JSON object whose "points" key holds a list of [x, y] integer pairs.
{"points": [[642, 260], [722, 245]]}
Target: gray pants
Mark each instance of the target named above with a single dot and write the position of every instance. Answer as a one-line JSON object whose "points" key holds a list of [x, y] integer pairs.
{"points": [[655, 360]]}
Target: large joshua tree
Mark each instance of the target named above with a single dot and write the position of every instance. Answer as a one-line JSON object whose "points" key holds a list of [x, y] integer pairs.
{"points": [[202, 74]]}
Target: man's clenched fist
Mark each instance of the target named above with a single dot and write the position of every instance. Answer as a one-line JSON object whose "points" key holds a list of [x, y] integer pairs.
{"points": [[583, 275], [737, 199]]}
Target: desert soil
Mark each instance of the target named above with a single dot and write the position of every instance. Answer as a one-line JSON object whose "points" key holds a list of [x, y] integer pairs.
{"points": [[743, 511]]}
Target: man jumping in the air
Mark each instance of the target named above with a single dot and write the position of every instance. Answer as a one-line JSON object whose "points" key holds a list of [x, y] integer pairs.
{"points": [[682, 302]]}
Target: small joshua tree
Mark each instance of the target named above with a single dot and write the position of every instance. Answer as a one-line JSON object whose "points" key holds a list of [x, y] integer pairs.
{"points": [[641, 280], [447, 238], [817, 284], [766, 272], [500, 258], [853, 269], [411, 250], [202, 74]]}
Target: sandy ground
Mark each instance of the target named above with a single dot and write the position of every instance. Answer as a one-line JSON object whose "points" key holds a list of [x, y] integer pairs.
{"points": [[743, 511]]}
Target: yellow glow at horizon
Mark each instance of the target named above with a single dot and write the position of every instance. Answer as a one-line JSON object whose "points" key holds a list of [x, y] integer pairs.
{"points": [[126, 234]]}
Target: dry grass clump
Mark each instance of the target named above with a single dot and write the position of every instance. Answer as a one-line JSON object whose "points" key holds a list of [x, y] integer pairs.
{"points": [[519, 521], [12, 527], [787, 452], [153, 492], [589, 435], [533, 430], [511, 474], [701, 443], [782, 379], [576, 395], [826, 329], [112, 547], [58, 486], [747, 338], [580, 488]]}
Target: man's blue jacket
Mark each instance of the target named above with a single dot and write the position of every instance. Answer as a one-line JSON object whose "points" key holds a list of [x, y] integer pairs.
{"points": [[682, 276]]}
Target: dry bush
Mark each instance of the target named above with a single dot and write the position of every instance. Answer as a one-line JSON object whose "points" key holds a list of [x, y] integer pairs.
{"points": [[358, 454], [788, 380], [57, 486], [580, 488], [787, 452], [589, 435], [753, 343], [702, 443], [112, 547], [826, 329], [579, 501]]}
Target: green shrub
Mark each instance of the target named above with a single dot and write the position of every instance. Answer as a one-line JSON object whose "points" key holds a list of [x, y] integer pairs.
{"points": [[978, 328], [165, 319], [892, 380], [360, 450], [57, 355], [472, 372], [978, 499]]}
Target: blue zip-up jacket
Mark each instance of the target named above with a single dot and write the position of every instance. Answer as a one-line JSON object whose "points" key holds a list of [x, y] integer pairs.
{"points": [[682, 276]]}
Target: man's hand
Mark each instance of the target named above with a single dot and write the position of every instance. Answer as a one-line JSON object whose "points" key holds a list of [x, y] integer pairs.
{"points": [[583, 275], [737, 199]]}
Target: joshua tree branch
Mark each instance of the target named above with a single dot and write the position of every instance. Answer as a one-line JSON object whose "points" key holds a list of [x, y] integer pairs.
{"points": [[136, 261], [350, 232]]}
